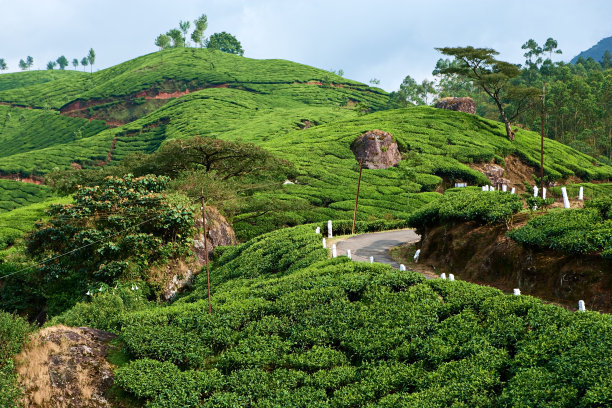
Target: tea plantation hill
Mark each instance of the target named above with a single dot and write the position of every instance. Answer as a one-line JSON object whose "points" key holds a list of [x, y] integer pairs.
{"points": [[270, 103]]}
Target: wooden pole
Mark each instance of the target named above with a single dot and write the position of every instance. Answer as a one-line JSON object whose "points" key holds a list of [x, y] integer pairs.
{"points": [[542, 137], [357, 196], [206, 251]]}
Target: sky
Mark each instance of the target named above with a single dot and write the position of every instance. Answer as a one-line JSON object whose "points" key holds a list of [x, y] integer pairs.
{"points": [[381, 39]]}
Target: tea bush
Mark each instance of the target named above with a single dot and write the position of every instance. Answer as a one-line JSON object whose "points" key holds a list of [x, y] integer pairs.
{"points": [[14, 332], [337, 333]]}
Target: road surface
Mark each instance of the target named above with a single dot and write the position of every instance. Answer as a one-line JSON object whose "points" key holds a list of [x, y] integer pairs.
{"points": [[377, 245]]}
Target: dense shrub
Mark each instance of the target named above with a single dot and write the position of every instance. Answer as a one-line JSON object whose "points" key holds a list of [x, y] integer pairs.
{"points": [[13, 335], [467, 205], [338, 333], [574, 231]]}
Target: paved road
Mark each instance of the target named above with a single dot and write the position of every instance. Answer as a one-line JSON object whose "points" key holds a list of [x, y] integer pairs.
{"points": [[377, 245]]}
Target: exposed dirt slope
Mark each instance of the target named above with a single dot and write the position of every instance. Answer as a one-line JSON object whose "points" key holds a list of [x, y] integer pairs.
{"points": [[482, 254]]}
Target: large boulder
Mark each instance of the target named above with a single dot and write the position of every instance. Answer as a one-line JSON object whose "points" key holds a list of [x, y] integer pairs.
{"points": [[219, 233], [466, 105], [376, 150]]}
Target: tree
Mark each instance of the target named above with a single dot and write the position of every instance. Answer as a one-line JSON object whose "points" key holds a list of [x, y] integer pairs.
{"points": [[91, 58], [427, 88], [75, 63], [29, 62], [493, 77], [3, 65], [550, 46], [84, 62], [606, 60], [51, 64], [22, 65], [162, 41], [113, 232], [375, 81], [62, 62], [533, 54], [225, 42], [177, 38], [201, 24], [184, 26]]}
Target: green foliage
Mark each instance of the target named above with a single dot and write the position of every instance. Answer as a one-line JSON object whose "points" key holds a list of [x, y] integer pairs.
{"points": [[14, 333], [467, 205], [575, 231], [225, 42], [15, 194], [112, 232], [336, 333]]}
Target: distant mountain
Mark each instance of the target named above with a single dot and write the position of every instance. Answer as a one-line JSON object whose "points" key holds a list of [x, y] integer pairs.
{"points": [[596, 52]]}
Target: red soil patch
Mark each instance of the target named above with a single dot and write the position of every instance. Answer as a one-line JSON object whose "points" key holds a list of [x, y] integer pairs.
{"points": [[17, 177]]}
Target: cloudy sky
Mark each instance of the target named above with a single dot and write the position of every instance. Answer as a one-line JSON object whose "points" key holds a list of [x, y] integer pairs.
{"points": [[384, 39]]}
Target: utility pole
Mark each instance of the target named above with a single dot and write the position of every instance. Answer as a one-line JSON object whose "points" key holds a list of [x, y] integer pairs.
{"points": [[357, 197], [206, 250], [542, 137]]}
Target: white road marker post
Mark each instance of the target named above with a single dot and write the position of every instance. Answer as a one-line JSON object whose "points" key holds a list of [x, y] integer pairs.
{"points": [[517, 292], [485, 188], [543, 193], [371, 259], [329, 229], [581, 194], [513, 190], [416, 255], [535, 191], [443, 276], [348, 254], [504, 188], [451, 277], [402, 267], [566, 202], [318, 230], [581, 306], [334, 251], [324, 244]]}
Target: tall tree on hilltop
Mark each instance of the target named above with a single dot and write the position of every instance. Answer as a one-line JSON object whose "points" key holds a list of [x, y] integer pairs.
{"points": [[29, 61], [225, 42], [62, 62], [177, 38], [51, 64], [493, 76], [3, 65], [184, 26], [550, 46], [201, 24], [162, 41], [84, 62], [75, 63], [22, 65], [91, 58], [606, 60]]}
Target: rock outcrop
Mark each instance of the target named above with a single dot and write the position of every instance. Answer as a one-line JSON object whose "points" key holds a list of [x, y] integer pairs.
{"points": [[495, 175], [466, 105], [66, 367], [376, 150], [219, 233]]}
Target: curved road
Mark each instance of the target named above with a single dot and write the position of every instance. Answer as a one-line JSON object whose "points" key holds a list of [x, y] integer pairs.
{"points": [[376, 244]]}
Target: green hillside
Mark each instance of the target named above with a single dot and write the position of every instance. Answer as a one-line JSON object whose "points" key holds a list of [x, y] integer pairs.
{"points": [[291, 328], [14, 194], [597, 51], [24, 79]]}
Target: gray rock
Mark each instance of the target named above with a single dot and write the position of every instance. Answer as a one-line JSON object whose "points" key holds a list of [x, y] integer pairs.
{"points": [[376, 150]]}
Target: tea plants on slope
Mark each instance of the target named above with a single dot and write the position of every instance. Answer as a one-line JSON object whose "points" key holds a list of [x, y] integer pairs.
{"points": [[15, 194], [14, 332], [574, 231], [338, 333]]}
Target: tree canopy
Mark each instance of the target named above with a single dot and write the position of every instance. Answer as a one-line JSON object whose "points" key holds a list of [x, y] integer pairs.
{"points": [[225, 42]]}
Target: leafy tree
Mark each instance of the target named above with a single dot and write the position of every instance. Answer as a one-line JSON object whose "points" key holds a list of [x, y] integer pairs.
{"points": [[22, 65], [184, 26], [550, 46], [493, 77], [177, 38], [91, 58], [201, 24], [225, 42], [51, 64], [162, 41], [533, 54], [375, 81], [62, 62], [113, 232], [29, 61], [427, 89], [84, 62], [606, 60], [452, 84], [75, 63], [412, 92], [3, 65]]}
